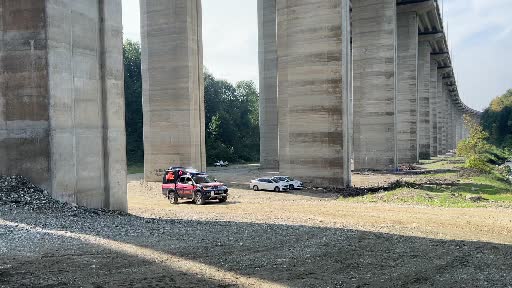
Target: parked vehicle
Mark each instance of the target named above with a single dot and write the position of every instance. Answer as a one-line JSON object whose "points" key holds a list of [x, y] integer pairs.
{"points": [[268, 184], [221, 164], [195, 186], [292, 183]]}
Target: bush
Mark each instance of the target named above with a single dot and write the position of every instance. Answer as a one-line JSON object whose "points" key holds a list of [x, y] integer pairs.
{"points": [[479, 154]]}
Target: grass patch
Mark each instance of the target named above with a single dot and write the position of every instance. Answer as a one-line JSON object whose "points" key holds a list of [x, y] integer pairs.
{"points": [[445, 186], [135, 168]]}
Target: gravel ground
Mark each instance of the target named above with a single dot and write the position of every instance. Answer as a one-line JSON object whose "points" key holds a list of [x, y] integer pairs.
{"points": [[256, 239]]}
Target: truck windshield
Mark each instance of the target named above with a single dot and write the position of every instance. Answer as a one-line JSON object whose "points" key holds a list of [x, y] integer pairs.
{"points": [[201, 179]]}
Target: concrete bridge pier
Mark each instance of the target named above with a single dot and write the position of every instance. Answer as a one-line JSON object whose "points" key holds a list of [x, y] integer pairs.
{"points": [[314, 90], [62, 99], [172, 76], [407, 104], [375, 66], [424, 86], [446, 121], [269, 132], [433, 109], [440, 113]]}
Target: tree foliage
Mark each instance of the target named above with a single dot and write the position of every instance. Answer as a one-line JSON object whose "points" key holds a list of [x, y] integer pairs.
{"points": [[232, 120], [479, 153], [133, 102], [497, 121], [231, 112]]}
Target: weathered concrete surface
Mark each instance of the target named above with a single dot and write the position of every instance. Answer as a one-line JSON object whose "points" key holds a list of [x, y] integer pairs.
{"points": [[424, 83], [313, 138], [374, 59], [441, 112], [458, 126], [444, 107], [269, 133], [433, 108], [173, 96], [407, 88], [24, 118], [452, 126], [85, 67], [62, 100]]}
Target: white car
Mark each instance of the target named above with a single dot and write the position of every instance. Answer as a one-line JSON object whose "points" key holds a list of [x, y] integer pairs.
{"points": [[268, 184], [292, 183], [221, 164]]}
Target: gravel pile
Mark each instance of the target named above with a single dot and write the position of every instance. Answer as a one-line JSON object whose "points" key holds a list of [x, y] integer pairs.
{"points": [[18, 192]]}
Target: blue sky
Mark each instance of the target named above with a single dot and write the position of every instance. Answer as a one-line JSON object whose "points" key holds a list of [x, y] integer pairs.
{"points": [[480, 36]]}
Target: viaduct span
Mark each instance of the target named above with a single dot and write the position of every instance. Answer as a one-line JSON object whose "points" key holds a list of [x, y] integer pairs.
{"points": [[368, 81]]}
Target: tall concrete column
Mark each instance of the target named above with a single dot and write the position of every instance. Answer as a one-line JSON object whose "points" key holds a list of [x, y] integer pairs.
{"points": [[459, 126], [407, 89], [172, 83], [453, 125], [424, 83], [314, 90], [269, 133], [374, 58], [24, 111], [433, 108], [62, 89], [445, 117], [441, 113]]}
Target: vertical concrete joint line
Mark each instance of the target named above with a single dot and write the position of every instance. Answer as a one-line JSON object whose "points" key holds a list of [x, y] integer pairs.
{"points": [[199, 75], [104, 111], [395, 36], [347, 92]]}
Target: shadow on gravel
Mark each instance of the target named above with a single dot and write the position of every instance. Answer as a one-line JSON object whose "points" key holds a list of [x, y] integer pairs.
{"points": [[132, 250]]}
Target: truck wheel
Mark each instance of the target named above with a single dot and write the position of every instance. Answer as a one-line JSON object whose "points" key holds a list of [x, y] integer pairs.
{"points": [[291, 187], [173, 197], [199, 198], [277, 189], [223, 199], [256, 188]]}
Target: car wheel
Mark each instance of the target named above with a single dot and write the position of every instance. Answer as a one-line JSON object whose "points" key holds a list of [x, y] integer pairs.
{"points": [[199, 198], [277, 189], [173, 197], [256, 188], [291, 187], [223, 199]]}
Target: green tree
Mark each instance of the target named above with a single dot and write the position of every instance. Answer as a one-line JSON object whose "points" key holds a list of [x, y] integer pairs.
{"points": [[475, 148], [231, 112], [133, 102], [232, 120], [497, 120]]}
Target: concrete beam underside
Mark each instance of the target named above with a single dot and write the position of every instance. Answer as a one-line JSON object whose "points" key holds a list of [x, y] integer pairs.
{"points": [[173, 96], [313, 104], [269, 133], [76, 85], [374, 58]]}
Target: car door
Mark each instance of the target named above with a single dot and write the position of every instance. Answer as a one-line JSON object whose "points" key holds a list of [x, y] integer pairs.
{"points": [[269, 185], [180, 186], [188, 187]]}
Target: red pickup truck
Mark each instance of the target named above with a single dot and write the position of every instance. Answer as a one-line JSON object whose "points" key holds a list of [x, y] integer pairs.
{"points": [[198, 187]]}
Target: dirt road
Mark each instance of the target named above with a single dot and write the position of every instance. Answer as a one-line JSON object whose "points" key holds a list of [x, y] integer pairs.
{"points": [[256, 239]]}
